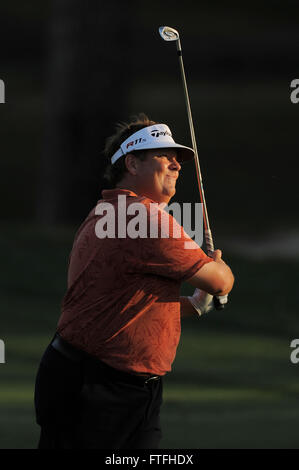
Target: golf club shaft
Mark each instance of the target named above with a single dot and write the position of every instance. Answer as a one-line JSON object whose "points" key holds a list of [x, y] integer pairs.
{"points": [[219, 301], [207, 230]]}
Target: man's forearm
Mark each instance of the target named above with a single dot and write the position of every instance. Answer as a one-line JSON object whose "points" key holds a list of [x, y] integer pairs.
{"points": [[187, 309]]}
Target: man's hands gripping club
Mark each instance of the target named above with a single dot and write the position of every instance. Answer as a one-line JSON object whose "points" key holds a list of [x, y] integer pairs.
{"points": [[214, 278]]}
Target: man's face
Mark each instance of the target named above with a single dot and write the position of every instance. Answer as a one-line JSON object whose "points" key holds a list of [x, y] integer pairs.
{"points": [[157, 174]]}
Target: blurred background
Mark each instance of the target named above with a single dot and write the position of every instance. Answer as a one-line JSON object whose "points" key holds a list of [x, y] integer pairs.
{"points": [[73, 69]]}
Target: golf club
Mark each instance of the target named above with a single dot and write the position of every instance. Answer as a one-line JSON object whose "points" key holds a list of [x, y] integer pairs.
{"points": [[171, 34]]}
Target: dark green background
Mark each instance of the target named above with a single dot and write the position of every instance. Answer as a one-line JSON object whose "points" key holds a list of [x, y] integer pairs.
{"points": [[73, 69]]}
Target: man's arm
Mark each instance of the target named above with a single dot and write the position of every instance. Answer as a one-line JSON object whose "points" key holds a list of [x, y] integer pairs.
{"points": [[215, 278]]}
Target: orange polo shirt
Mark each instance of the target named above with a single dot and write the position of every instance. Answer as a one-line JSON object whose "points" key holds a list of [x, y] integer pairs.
{"points": [[122, 303]]}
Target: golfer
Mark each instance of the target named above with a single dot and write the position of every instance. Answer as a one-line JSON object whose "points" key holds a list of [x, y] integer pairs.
{"points": [[99, 383]]}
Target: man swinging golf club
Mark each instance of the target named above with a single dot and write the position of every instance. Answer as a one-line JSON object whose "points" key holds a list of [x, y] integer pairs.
{"points": [[99, 384]]}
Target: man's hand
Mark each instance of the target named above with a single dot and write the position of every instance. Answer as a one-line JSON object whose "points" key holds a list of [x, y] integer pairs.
{"points": [[201, 301]]}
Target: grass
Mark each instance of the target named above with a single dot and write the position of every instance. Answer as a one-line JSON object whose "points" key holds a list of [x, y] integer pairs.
{"points": [[232, 384], [228, 391]]}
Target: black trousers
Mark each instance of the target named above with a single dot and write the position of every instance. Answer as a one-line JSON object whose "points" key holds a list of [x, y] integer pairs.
{"points": [[86, 404]]}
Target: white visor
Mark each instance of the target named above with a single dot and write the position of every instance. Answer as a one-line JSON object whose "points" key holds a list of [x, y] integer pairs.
{"points": [[152, 137]]}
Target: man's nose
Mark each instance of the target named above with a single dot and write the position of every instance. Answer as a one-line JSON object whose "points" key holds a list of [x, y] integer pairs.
{"points": [[175, 165]]}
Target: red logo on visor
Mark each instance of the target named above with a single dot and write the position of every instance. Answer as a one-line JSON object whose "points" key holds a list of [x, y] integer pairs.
{"points": [[135, 142]]}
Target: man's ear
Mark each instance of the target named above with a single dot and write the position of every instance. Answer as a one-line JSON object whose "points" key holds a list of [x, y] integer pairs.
{"points": [[131, 163]]}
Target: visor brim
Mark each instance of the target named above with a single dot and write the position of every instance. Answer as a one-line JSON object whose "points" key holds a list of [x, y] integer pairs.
{"points": [[185, 154]]}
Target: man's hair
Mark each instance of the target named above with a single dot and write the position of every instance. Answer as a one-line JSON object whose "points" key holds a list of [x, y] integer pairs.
{"points": [[115, 172]]}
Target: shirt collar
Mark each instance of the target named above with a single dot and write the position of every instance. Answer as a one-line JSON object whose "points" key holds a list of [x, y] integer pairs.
{"points": [[113, 193]]}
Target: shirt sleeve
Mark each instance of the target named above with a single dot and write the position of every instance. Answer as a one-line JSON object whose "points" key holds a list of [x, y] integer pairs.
{"points": [[170, 252]]}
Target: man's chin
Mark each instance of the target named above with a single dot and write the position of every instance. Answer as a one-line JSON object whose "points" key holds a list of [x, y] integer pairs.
{"points": [[167, 197], [164, 197]]}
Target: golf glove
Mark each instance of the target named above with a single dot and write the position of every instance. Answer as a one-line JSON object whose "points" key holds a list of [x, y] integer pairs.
{"points": [[201, 301]]}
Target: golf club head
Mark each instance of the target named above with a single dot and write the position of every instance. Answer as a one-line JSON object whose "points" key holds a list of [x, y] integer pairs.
{"points": [[168, 34]]}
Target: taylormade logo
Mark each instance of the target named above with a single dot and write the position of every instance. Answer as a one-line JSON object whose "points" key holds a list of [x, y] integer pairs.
{"points": [[2, 352], [151, 221], [156, 133], [2, 92]]}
